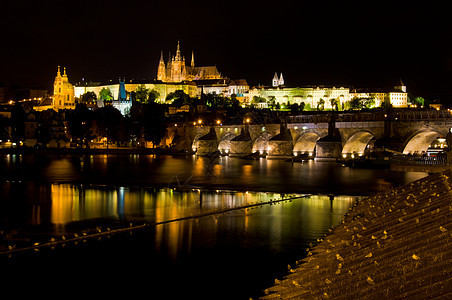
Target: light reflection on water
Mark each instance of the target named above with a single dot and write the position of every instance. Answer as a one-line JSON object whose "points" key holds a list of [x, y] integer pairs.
{"points": [[62, 205], [48, 196]]}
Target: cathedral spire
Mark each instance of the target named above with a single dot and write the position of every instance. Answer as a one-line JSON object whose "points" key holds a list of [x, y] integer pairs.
{"points": [[192, 59], [161, 56], [178, 56]]}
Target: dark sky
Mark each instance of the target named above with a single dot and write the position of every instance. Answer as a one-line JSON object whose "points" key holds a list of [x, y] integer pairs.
{"points": [[372, 44]]}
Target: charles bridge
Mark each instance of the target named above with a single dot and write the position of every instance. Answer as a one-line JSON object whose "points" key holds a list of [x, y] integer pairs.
{"points": [[323, 136]]}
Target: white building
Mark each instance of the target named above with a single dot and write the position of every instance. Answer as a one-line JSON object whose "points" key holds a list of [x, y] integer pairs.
{"points": [[398, 96], [311, 96]]}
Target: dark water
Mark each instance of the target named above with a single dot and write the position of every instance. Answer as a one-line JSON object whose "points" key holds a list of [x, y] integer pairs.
{"points": [[223, 256], [219, 173]]}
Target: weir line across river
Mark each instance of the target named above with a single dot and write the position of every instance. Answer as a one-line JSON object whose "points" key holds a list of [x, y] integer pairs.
{"points": [[98, 233]]}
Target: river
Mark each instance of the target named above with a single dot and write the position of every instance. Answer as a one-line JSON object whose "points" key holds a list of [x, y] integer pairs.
{"points": [[188, 247]]}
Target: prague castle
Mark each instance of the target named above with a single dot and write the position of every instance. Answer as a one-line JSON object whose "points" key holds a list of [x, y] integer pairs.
{"points": [[175, 74], [175, 70]]}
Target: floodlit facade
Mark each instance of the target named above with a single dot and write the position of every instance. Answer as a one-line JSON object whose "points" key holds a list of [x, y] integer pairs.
{"points": [[63, 94], [311, 96], [175, 70], [163, 89], [398, 96]]}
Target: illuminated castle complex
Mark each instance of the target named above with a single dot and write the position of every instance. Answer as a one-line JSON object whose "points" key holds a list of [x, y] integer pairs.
{"points": [[175, 70]]}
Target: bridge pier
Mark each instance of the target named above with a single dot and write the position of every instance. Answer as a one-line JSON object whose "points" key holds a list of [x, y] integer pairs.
{"points": [[328, 150], [281, 146], [242, 144]]}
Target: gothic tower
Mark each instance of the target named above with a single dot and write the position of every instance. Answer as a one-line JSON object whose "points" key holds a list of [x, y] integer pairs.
{"points": [[177, 66], [161, 73]]}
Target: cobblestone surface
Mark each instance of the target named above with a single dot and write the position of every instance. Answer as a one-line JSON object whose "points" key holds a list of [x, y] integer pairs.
{"points": [[394, 245]]}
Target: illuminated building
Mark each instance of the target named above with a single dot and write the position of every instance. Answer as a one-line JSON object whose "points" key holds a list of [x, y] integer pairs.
{"points": [[276, 81], [171, 76], [63, 92], [311, 96], [278, 93], [163, 89], [398, 96], [177, 71]]}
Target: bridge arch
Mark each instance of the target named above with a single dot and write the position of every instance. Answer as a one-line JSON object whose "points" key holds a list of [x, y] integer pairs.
{"points": [[261, 142], [305, 144], [194, 144], [357, 143], [225, 143], [420, 141]]}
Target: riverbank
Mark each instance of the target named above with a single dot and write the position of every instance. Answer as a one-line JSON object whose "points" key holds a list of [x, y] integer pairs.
{"points": [[397, 244]]}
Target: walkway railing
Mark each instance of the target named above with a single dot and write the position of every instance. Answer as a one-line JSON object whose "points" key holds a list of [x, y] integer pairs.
{"points": [[403, 115], [420, 160]]}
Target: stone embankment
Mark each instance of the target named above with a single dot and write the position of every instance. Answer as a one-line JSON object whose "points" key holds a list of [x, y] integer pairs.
{"points": [[395, 245]]}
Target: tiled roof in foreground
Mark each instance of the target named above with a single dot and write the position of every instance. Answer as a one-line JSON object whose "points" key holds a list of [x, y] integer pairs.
{"points": [[394, 245]]}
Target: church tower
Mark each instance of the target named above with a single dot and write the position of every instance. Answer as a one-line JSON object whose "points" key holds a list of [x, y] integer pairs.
{"points": [[63, 92], [275, 80], [401, 86], [281, 80], [161, 72], [192, 59], [176, 66]]}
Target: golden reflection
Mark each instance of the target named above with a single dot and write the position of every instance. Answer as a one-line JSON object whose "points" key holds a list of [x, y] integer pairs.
{"points": [[70, 204], [61, 169], [78, 203], [62, 204]]}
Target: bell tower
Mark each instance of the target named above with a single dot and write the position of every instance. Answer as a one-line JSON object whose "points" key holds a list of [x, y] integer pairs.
{"points": [[275, 80], [63, 92]]}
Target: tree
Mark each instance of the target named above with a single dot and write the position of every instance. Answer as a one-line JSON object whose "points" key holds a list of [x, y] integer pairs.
{"points": [[108, 119], [301, 106], [80, 122], [386, 105], [105, 95], [294, 108], [360, 103], [368, 102], [142, 94], [148, 121], [419, 101], [258, 99], [88, 97], [153, 96], [355, 103], [321, 104], [334, 104], [179, 98]]}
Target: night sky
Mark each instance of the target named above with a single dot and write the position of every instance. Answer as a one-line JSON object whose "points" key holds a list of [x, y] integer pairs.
{"points": [[372, 44]]}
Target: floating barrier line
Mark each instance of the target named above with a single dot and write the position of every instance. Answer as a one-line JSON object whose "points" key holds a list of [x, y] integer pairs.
{"points": [[53, 243]]}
